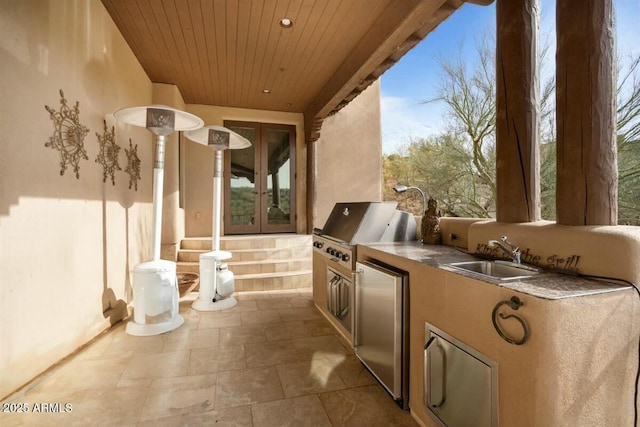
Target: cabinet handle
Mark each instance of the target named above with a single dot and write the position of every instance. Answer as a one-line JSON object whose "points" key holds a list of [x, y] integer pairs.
{"points": [[428, 375], [330, 294], [356, 311], [339, 298], [334, 292]]}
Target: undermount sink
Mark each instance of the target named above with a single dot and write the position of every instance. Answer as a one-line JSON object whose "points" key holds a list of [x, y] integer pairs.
{"points": [[501, 270]]}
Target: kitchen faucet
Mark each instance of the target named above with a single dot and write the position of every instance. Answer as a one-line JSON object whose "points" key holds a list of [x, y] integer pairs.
{"points": [[507, 247]]}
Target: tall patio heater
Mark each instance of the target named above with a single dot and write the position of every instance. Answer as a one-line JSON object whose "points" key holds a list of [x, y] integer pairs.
{"points": [[216, 281], [155, 287]]}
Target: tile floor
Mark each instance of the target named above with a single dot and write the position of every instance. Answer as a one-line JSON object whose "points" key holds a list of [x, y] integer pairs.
{"points": [[272, 360]]}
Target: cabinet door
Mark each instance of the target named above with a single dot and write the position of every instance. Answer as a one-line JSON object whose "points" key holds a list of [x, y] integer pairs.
{"points": [[458, 385]]}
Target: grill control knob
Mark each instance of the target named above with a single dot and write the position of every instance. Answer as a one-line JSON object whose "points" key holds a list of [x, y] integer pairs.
{"points": [[318, 245], [338, 254], [345, 257], [328, 250]]}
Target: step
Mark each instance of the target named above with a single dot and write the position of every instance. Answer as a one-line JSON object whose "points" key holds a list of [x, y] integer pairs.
{"points": [[187, 267], [254, 267], [230, 243], [270, 266], [193, 255], [273, 281], [262, 281], [259, 262]]}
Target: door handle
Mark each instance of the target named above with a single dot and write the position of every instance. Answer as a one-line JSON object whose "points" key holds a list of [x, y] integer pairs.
{"points": [[336, 297], [428, 375], [339, 298], [344, 298], [356, 306]]}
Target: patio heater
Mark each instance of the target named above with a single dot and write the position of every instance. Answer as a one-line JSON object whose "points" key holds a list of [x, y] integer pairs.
{"points": [[155, 287], [216, 281]]}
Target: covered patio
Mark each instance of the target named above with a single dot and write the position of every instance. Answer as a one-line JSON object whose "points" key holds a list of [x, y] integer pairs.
{"points": [[70, 236]]}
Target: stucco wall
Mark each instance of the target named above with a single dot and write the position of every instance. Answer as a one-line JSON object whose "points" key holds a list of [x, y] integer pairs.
{"points": [[67, 245], [577, 368], [349, 156], [198, 167]]}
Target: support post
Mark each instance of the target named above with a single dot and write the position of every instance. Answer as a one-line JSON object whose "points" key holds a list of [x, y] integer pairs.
{"points": [[587, 177], [158, 183], [517, 111]]}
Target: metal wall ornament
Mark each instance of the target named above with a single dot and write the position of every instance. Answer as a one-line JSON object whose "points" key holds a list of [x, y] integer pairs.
{"points": [[68, 135], [108, 156], [133, 165]]}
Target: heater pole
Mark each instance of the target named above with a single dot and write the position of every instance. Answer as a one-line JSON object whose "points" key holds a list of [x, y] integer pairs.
{"points": [[217, 196], [158, 181]]}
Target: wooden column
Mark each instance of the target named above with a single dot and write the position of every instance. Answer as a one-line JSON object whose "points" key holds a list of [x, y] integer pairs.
{"points": [[587, 178], [517, 118], [310, 191]]}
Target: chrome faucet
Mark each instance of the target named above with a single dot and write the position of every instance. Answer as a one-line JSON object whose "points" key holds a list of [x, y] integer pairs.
{"points": [[507, 247]]}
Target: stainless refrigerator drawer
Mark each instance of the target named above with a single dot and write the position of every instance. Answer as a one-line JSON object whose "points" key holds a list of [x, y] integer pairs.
{"points": [[380, 337], [460, 384]]}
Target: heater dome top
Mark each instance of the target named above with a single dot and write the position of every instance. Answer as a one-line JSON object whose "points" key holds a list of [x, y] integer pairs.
{"points": [[218, 138], [159, 119]]}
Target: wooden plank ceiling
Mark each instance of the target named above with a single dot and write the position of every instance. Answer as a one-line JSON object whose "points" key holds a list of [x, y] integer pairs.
{"points": [[227, 52]]}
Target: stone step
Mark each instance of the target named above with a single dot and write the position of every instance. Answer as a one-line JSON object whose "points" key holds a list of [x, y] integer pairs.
{"points": [[187, 267], [262, 281], [270, 266], [273, 281], [259, 262], [254, 267], [264, 241], [193, 255]]}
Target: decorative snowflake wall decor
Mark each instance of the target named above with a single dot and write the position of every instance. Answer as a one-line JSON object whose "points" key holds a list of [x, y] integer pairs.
{"points": [[133, 165], [68, 135], [108, 156]]}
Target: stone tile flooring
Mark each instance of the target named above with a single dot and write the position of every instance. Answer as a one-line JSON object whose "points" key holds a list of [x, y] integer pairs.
{"points": [[272, 360]]}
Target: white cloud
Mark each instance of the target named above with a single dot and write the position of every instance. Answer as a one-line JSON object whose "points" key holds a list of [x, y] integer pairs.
{"points": [[406, 118]]}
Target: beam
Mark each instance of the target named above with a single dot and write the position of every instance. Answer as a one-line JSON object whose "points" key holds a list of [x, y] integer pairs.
{"points": [[517, 117], [587, 177], [399, 22]]}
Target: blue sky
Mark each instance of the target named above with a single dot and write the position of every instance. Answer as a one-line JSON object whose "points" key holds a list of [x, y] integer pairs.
{"points": [[415, 77]]}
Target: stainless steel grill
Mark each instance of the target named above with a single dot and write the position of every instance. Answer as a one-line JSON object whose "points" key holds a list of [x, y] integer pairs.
{"points": [[355, 223]]}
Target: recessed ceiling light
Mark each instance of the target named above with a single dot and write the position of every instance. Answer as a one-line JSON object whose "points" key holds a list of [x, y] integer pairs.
{"points": [[286, 23], [266, 90]]}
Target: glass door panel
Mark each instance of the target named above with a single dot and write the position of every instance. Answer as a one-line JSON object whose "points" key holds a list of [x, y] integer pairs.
{"points": [[241, 186], [260, 180], [279, 184]]}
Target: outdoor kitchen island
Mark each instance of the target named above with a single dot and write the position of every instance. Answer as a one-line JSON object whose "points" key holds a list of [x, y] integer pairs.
{"points": [[579, 363]]}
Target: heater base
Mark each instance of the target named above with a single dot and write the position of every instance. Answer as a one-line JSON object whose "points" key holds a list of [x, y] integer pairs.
{"points": [[205, 305], [145, 330]]}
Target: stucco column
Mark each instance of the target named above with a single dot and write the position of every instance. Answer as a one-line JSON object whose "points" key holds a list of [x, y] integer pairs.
{"points": [[587, 177], [517, 114]]}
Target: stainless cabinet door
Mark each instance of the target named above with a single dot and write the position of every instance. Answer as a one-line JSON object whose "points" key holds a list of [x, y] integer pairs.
{"points": [[378, 328], [458, 386]]}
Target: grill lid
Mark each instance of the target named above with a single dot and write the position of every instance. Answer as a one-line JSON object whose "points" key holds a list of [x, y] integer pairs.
{"points": [[359, 222]]}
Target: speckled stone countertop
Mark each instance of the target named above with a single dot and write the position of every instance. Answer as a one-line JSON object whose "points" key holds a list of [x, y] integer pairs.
{"points": [[547, 285]]}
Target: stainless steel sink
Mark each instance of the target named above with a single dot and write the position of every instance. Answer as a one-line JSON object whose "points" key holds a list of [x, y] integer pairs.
{"points": [[500, 270]]}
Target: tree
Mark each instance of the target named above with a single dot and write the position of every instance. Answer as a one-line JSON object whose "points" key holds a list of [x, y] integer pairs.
{"points": [[458, 167], [469, 95], [628, 119]]}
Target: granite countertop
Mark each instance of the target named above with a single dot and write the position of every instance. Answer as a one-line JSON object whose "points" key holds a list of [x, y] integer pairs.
{"points": [[546, 285]]}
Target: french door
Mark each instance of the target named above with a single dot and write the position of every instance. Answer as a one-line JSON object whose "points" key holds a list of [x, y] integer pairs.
{"points": [[259, 181]]}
